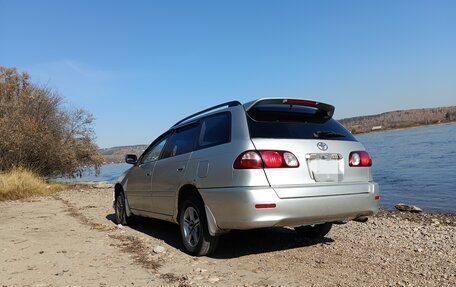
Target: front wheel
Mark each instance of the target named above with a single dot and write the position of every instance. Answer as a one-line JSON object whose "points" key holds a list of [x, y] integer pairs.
{"points": [[314, 231], [120, 209], [194, 230]]}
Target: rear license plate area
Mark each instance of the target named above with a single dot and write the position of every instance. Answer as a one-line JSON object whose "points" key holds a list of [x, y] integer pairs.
{"points": [[325, 167]]}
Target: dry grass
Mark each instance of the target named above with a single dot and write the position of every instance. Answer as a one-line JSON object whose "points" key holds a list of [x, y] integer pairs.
{"points": [[22, 183]]}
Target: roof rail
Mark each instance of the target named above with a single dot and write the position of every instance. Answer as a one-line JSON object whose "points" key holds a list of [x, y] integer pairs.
{"points": [[228, 104]]}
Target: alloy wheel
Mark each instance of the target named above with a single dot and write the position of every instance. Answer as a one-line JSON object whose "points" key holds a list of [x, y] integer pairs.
{"points": [[192, 226]]}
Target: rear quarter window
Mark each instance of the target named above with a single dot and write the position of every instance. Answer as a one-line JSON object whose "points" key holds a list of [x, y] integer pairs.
{"points": [[215, 130], [294, 122]]}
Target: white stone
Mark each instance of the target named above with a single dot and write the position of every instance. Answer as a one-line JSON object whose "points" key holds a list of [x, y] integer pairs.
{"points": [[213, 279], [159, 249]]}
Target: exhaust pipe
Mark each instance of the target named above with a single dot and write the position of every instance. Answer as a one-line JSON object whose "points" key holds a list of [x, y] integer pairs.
{"points": [[361, 219]]}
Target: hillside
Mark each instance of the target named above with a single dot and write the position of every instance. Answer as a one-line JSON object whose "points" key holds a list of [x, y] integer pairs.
{"points": [[362, 124], [117, 154], [400, 119]]}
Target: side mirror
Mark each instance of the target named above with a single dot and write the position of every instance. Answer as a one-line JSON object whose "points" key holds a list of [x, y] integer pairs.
{"points": [[131, 159]]}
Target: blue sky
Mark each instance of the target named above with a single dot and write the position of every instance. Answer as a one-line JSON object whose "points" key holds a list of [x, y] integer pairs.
{"points": [[140, 66]]}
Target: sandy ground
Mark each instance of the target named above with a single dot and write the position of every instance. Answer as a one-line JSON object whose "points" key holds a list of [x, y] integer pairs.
{"points": [[69, 239]]}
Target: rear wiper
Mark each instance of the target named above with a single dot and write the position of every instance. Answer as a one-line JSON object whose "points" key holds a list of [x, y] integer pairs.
{"points": [[327, 134]]}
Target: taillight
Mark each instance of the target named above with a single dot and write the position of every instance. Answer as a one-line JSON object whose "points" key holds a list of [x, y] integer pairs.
{"points": [[265, 159], [248, 159], [290, 159], [271, 158], [359, 158]]}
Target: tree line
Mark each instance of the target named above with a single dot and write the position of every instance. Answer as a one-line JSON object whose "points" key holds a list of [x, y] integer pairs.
{"points": [[41, 134]]}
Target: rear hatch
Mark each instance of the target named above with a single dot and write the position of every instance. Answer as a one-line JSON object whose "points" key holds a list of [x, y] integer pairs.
{"points": [[321, 145]]}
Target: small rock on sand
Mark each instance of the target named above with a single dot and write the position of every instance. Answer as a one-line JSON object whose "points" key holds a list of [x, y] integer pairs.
{"points": [[213, 280], [159, 249]]}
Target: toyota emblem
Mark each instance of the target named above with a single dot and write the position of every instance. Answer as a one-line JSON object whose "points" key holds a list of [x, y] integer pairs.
{"points": [[322, 146]]}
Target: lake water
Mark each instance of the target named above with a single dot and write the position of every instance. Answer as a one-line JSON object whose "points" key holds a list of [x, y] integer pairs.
{"points": [[413, 166]]}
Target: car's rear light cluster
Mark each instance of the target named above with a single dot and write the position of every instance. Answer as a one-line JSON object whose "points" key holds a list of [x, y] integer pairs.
{"points": [[300, 102], [265, 159], [359, 159]]}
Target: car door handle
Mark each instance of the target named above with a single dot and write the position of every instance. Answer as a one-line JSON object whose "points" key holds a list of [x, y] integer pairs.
{"points": [[180, 169]]}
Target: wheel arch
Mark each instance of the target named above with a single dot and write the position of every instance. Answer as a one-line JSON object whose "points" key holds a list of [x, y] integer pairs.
{"points": [[118, 188], [185, 192], [190, 191]]}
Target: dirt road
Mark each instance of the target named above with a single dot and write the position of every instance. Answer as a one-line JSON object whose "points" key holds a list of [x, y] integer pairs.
{"points": [[69, 239]]}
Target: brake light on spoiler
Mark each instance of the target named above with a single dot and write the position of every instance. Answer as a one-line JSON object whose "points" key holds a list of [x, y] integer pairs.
{"points": [[300, 102], [329, 109]]}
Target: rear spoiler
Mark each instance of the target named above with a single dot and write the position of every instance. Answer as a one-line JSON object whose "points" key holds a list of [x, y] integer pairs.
{"points": [[328, 109]]}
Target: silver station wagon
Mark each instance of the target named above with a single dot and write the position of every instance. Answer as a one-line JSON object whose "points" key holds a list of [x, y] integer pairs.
{"points": [[269, 162]]}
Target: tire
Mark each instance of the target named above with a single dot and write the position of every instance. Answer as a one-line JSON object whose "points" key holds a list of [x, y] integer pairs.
{"points": [[120, 209], [314, 231], [194, 230]]}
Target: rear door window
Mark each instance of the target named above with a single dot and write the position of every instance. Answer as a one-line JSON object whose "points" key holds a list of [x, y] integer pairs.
{"points": [[294, 122], [215, 130], [182, 141]]}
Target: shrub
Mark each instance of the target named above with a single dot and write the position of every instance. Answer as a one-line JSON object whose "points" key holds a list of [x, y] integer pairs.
{"points": [[38, 134]]}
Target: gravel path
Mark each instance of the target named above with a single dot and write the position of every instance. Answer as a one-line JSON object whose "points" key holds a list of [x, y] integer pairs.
{"points": [[70, 240]]}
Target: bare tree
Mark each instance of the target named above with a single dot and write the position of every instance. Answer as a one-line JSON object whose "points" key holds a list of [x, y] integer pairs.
{"points": [[37, 133]]}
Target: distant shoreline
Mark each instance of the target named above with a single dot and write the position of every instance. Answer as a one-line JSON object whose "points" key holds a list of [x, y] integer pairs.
{"points": [[400, 119], [403, 128]]}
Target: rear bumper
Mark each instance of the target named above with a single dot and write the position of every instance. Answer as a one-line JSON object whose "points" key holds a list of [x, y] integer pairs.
{"points": [[234, 208]]}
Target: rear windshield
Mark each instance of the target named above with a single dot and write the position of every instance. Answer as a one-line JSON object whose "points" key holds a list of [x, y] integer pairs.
{"points": [[294, 122]]}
